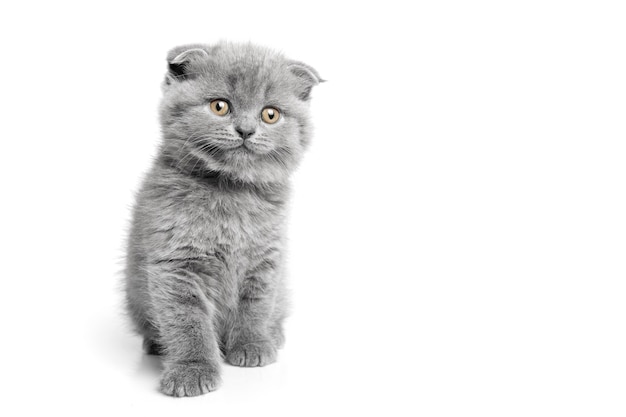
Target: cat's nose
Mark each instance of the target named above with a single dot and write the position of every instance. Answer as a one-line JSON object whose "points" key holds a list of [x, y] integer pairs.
{"points": [[245, 134]]}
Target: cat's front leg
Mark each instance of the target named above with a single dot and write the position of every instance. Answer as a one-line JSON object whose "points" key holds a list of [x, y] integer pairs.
{"points": [[183, 316], [251, 341]]}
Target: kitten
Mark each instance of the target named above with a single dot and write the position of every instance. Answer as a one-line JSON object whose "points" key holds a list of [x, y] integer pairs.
{"points": [[205, 263]]}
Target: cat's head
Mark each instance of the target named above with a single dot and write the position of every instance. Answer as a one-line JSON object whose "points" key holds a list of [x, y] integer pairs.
{"points": [[236, 109]]}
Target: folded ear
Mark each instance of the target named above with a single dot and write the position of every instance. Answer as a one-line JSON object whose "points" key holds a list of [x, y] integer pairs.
{"points": [[182, 60], [307, 78]]}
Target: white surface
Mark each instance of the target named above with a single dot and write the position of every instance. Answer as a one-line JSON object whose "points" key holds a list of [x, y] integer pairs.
{"points": [[457, 233]]}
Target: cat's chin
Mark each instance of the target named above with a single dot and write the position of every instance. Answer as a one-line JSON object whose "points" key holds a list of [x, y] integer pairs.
{"points": [[243, 163], [245, 166]]}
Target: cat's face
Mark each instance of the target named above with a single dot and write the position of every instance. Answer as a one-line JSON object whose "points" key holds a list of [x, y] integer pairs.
{"points": [[239, 110]]}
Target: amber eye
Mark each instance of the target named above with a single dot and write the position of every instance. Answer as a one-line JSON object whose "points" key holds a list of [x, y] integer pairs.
{"points": [[270, 115], [219, 107]]}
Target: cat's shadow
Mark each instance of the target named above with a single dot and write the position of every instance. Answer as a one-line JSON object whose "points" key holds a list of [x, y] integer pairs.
{"points": [[150, 365], [118, 345]]}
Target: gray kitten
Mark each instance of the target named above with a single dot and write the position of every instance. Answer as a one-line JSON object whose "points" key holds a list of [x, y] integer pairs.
{"points": [[205, 262]]}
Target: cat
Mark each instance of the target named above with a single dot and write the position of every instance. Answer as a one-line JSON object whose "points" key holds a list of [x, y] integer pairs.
{"points": [[205, 277]]}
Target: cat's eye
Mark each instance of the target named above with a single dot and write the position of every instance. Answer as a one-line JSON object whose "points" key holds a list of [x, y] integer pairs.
{"points": [[270, 115], [219, 107]]}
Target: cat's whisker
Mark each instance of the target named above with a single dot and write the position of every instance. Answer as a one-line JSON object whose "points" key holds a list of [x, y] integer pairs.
{"points": [[198, 159], [183, 147], [189, 155]]}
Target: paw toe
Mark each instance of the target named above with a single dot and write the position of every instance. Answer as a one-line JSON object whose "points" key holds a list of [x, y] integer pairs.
{"points": [[189, 380], [252, 354]]}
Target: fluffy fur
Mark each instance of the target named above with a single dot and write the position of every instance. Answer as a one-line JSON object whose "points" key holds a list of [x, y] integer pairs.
{"points": [[205, 262]]}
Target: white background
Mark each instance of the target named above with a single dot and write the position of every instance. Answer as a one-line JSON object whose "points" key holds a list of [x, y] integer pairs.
{"points": [[457, 232]]}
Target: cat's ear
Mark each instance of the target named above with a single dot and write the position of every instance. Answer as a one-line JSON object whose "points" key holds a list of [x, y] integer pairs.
{"points": [[181, 62], [307, 78]]}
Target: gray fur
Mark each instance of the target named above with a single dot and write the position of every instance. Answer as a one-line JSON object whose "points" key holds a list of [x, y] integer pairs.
{"points": [[205, 262]]}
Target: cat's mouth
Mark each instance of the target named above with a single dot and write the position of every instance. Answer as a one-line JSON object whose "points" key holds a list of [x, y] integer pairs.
{"points": [[256, 147], [226, 145], [232, 153], [242, 150], [248, 147]]}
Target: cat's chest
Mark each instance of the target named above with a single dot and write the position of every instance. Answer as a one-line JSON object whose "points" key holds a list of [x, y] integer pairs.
{"points": [[233, 222]]}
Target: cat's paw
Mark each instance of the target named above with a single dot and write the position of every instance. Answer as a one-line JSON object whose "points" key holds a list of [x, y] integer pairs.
{"points": [[252, 354], [188, 380]]}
